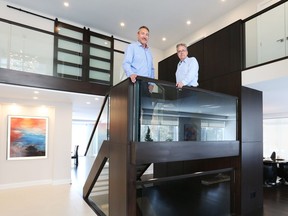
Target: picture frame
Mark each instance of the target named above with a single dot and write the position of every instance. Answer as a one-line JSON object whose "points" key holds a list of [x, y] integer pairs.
{"points": [[190, 132], [27, 137]]}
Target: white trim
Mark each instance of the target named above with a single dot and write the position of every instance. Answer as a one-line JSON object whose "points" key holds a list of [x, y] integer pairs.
{"points": [[34, 183]]}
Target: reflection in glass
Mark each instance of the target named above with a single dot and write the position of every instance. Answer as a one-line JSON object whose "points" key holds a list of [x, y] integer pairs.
{"points": [[100, 192], [101, 133], [171, 114]]}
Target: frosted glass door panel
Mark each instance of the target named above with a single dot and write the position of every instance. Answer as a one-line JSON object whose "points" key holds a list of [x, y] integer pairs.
{"points": [[69, 70], [271, 34], [100, 41], [70, 33], [76, 59], [100, 53], [76, 47], [99, 64], [97, 75]]}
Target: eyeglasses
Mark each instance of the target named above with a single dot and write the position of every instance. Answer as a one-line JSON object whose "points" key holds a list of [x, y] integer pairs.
{"points": [[180, 51]]}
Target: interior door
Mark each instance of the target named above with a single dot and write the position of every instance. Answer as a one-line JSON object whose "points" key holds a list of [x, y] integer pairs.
{"points": [[271, 29]]}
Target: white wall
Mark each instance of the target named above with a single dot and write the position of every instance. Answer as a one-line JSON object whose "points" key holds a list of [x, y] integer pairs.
{"points": [[275, 137], [55, 169]]}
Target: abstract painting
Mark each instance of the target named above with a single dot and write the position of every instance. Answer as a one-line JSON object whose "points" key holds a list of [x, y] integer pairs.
{"points": [[27, 137], [190, 133]]}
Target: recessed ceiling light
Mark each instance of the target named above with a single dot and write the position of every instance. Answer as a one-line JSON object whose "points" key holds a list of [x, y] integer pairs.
{"points": [[66, 4], [88, 102], [36, 92], [188, 22], [35, 98], [122, 24], [96, 98], [163, 39]]}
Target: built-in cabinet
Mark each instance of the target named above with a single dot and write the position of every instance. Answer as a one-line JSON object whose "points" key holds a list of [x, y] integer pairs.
{"points": [[220, 60]]}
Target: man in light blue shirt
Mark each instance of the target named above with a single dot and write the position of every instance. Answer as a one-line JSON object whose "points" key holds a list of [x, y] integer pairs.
{"points": [[138, 58], [187, 68]]}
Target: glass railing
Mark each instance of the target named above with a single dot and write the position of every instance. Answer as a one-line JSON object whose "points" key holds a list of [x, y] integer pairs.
{"points": [[187, 114], [100, 131], [62, 55], [266, 36], [169, 117]]}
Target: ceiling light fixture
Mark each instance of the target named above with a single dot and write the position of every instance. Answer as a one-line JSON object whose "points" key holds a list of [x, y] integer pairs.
{"points": [[188, 22], [122, 24], [163, 39], [66, 4]]}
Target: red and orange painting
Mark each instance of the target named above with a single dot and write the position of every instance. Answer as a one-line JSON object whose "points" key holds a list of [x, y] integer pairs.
{"points": [[27, 137]]}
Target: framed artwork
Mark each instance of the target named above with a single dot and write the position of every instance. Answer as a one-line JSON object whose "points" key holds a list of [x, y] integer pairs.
{"points": [[190, 133], [27, 137]]}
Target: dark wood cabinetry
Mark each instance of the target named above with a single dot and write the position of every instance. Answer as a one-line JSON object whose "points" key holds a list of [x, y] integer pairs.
{"points": [[220, 65]]}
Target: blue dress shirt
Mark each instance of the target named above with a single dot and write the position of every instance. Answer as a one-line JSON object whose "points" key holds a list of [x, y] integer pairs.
{"points": [[187, 72], [138, 60]]}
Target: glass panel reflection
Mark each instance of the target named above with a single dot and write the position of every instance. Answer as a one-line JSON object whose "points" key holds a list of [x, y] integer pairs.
{"points": [[100, 192], [101, 133], [170, 114]]}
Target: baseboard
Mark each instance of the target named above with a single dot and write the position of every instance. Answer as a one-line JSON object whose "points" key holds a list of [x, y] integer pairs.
{"points": [[34, 183]]}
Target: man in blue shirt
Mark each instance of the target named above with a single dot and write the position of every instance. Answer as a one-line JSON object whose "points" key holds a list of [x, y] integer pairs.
{"points": [[138, 61], [187, 68], [138, 58]]}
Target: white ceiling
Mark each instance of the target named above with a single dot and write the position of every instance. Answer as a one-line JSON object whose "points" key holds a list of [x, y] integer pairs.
{"points": [[84, 107], [164, 18]]}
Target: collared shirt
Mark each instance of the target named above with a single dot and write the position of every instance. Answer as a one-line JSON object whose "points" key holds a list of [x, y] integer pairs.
{"points": [[187, 72], [138, 60]]}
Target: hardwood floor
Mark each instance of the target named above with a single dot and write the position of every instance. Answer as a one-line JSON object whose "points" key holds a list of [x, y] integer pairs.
{"points": [[275, 200]]}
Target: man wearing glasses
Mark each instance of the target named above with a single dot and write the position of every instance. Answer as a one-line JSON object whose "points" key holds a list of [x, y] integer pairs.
{"points": [[187, 68]]}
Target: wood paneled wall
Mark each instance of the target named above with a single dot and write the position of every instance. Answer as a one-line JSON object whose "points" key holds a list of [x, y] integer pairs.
{"points": [[220, 60]]}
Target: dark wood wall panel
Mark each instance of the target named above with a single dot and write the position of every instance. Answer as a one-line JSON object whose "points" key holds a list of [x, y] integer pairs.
{"points": [[252, 115], [49, 82], [168, 68], [220, 70], [227, 84], [222, 52], [197, 50], [251, 151]]}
